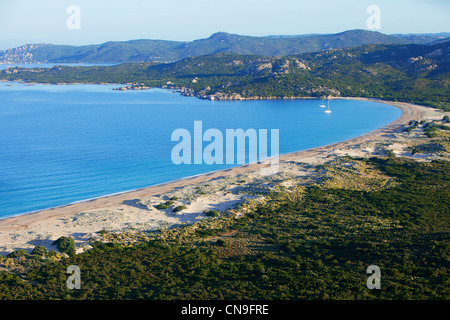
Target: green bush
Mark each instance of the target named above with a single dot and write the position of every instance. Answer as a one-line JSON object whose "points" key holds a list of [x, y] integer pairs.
{"points": [[206, 232], [428, 148], [179, 208], [65, 245], [221, 242], [212, 213], [165, 205], [39, 250], [17, 254], [53, 253]]}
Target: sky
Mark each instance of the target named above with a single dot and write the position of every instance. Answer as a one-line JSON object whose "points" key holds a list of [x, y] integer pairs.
{"points": [[98, 21]]}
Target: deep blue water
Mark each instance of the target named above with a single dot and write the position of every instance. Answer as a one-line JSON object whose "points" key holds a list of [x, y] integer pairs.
{"points": [[61, 144]]}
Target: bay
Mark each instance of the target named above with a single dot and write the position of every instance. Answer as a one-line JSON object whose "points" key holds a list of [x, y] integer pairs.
{"points": [[66, 143]]}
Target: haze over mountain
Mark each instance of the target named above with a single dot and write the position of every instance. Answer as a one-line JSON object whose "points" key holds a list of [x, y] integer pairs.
{"points": [[169, 51]]}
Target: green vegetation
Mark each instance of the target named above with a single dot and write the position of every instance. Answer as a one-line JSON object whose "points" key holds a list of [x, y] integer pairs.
{"points": [[431, 129], [212, 213], [179, 208], [65, 245], [165, 205], [221, 242], [314, 242], [18, 253], [412, 125], [428, 148], [437, 132], [39, 250]]}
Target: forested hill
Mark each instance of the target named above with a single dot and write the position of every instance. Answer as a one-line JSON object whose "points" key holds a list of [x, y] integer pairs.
{"points": [[410, 73], [169, 51]]}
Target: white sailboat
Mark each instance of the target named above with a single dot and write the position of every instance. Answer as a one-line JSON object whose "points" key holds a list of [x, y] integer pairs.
{"points": [[321, 104], [328, 110]]}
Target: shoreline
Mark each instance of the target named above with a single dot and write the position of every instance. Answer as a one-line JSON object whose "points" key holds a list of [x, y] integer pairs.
{"points": [[399, 105], [223, 172], [30, 222], [220, 171], [107, 196]]}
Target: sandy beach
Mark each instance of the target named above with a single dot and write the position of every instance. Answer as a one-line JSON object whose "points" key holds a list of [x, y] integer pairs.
{"points": [[135, 210]]}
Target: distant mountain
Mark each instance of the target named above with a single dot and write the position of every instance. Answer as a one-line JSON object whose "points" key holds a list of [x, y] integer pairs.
{"points": [[169, 51], [424, 38]]}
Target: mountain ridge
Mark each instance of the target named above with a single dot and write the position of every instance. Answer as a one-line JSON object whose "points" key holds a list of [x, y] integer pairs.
{"points": [[143, 50]]}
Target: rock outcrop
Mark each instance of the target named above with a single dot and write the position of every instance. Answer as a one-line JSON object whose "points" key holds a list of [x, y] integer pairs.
{"points": [[135, 86], [22, 54]]}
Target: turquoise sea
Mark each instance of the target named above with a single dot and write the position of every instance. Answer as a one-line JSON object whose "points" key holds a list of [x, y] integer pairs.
{"points": [[68, 143]]}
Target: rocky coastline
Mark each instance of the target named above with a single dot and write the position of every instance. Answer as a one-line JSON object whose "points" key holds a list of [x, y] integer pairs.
{"points": [[134, 86], [221, 96]]}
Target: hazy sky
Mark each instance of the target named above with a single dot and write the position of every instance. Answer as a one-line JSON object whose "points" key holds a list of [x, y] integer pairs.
{"points": [[44, 21]]}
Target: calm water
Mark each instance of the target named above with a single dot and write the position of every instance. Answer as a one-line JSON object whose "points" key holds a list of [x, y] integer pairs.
{"points": [[61, 144]]}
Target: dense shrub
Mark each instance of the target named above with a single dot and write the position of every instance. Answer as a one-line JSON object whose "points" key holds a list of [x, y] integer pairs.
{"points": [[317, 246], [39, 250], [65, 245], [17, 254]]}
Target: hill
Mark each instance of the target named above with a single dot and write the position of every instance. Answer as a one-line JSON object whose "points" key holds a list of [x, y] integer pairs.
{"points": [[169, 51]]}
